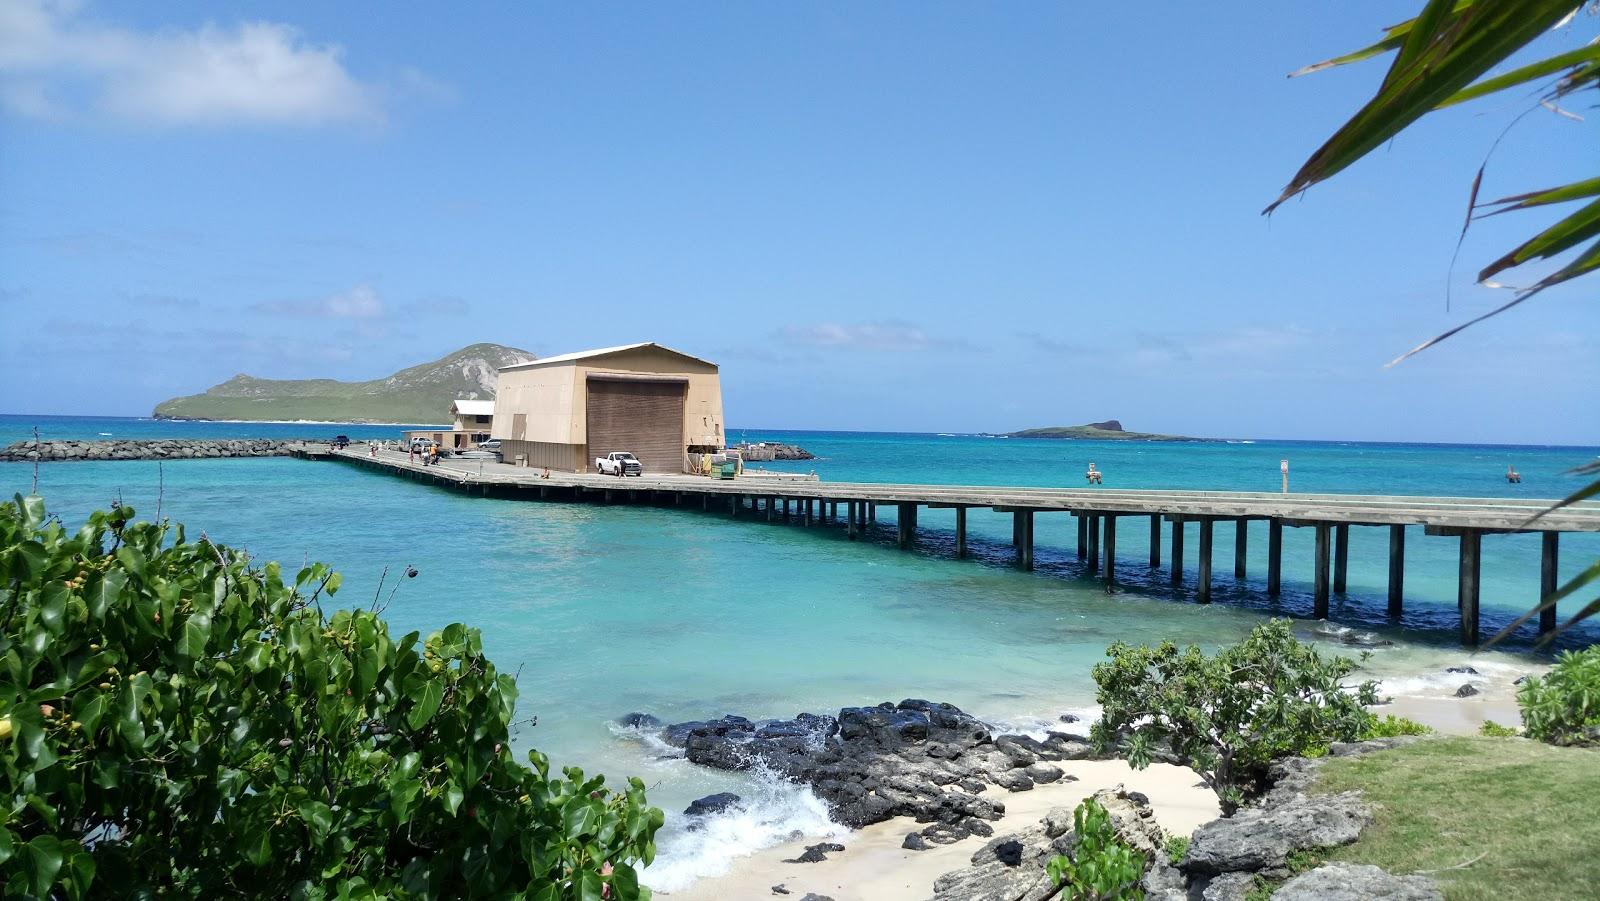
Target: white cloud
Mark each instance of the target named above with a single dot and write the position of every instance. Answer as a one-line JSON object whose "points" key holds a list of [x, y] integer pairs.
{"points": [[865, 336], [57, 63], [360, 303]]}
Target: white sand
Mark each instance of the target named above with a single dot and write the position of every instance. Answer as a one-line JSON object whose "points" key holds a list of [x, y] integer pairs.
{"points": [[874, 866]]}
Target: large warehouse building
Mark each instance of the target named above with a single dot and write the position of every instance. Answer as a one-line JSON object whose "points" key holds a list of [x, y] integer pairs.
{"points": [[655, 402]]}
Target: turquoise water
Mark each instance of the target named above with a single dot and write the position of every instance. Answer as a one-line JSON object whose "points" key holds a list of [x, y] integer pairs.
{"points": [[688, 615]]}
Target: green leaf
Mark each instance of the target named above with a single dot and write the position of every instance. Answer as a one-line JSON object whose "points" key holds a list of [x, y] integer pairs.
{"points": [[1554, 64], [41, 861], [425, 703], [1577, 190], [1566, 234], [590, 888]]}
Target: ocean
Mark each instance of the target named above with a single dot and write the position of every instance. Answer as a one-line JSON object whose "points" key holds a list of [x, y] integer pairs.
{"points": [[686, 615]]}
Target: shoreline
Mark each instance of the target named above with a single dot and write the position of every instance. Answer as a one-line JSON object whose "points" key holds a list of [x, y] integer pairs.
{"points": [[875, 867]]}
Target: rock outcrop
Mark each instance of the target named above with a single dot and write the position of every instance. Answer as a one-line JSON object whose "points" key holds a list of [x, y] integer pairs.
{"points": [[1012, 867], [159, 449], [1357, 882], [922, 759]]}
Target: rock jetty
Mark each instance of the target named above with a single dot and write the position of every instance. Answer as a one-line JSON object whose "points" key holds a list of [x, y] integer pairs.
{"points": [[772, 450], [159, 449], [921, 759]]}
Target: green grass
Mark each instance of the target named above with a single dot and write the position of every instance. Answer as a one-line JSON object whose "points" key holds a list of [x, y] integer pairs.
{"points": [[1527, 807]]}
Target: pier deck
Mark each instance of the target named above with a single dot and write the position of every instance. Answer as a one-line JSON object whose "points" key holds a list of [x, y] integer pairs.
{"points": [[1097, 512]]}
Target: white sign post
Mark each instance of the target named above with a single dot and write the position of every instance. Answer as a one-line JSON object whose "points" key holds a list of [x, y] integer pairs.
{"points": [[1283, 467]]}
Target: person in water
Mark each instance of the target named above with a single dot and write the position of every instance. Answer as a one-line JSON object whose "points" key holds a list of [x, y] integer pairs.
{"points": [[1513, 476]]}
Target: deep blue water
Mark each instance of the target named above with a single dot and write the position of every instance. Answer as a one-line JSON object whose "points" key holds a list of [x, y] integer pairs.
{"points": [[689, 615]]}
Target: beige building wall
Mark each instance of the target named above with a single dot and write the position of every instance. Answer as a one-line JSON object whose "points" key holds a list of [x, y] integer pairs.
{"points": [[543, 405]]}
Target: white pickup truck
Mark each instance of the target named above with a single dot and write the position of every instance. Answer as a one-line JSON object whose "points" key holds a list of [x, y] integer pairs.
{"points": [[618, 463]]}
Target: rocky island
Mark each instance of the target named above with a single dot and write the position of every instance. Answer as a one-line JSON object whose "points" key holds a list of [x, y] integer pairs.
{"points": [[1109, 430]]}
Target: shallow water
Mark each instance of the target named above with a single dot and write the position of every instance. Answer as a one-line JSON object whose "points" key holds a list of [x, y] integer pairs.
{"points": [[689, 615]]}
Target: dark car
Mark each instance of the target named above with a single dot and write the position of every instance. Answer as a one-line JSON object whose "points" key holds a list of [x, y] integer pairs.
{"points": [[341, 441]]}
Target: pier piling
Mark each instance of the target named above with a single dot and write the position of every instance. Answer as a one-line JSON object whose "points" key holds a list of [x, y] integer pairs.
{"points": [[907, 522], [1471, 553], [1274, 556], [1241, 537], [1341, 557], [1155, 541], [1319, 576], [1397, 569], [1203, 584], [1177, 552], [1094, 542], [1549, 552], [1083, 535], [961, 531], [1110, 573]]}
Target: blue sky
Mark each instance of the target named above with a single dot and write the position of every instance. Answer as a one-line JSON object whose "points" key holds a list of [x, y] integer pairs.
{"points": [[918, 216]]}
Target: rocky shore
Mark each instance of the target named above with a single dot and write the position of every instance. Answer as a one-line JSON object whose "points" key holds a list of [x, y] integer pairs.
{"points": [[160, 449], [919, 759]]}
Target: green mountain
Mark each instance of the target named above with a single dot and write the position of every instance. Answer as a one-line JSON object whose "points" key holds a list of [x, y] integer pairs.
{"points": [[419, 395], [1110, 430]]}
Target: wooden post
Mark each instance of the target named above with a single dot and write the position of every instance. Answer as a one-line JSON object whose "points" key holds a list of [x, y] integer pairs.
{"points": [[961, 531], [1274, 556], [1548, 558], [1241, 537], [809, 506], [1111, 551], [1155, 541], [1341, 557], [1204, 583], [1027, 539], [1094, 542], [872, 513], [1319, 576], [770, 506], [1471, 551], [1177, 552], [1083, 534], [1016, 531], [850, 519], [907, 521], [1397, 569]]}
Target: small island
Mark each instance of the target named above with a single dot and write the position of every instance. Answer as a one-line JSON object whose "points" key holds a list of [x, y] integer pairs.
{"points": [[1110, 430]]}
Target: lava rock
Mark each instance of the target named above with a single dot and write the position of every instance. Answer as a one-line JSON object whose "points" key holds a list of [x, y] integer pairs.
{"points": [[639, 721], [1228, 887], [1043, 772], [1466, 690], [710, 804], [1070, 718], [779, 889], [1261, 839], [915, 842], [1464, 670], [816, 853], [1356, 882]]}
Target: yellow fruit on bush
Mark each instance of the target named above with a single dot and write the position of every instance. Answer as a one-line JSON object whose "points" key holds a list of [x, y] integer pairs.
{"points": [[5, 728]]}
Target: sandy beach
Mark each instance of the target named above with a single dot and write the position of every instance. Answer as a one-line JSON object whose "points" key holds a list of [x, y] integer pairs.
{"points": [[874, 865]]}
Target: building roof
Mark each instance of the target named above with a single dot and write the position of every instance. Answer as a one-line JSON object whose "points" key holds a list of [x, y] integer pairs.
{"points": [[601, 352], [465, 407]]}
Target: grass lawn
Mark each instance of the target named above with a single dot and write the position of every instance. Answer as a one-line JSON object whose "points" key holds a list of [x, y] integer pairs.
{"points": [[1532, 810]]}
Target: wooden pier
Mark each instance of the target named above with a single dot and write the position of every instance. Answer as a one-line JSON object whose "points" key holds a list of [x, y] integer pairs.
{"points": [[1097, 511]]}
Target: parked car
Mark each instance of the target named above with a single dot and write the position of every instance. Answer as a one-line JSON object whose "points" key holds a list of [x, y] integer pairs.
{"points": [[421, 445], [493, 444], [341, 441], [618, 463]]}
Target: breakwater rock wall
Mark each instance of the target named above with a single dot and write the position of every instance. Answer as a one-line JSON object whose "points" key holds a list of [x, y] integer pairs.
{"points": [[772, 450], [161, 449]]}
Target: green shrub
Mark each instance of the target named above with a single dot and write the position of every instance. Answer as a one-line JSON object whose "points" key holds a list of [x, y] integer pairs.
{"points": [[1177, 848], [1493, 729], [1101, 867], [1563, 706], [1230, 715], [176, 721], [1392, 726]]}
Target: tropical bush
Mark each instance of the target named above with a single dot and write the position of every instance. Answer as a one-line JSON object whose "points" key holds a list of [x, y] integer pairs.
{"points": [[1101, 867], [175, 720], [1492, 729], [1392, 726], [1177, 848], [1563, 706], [1230, 715]]}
